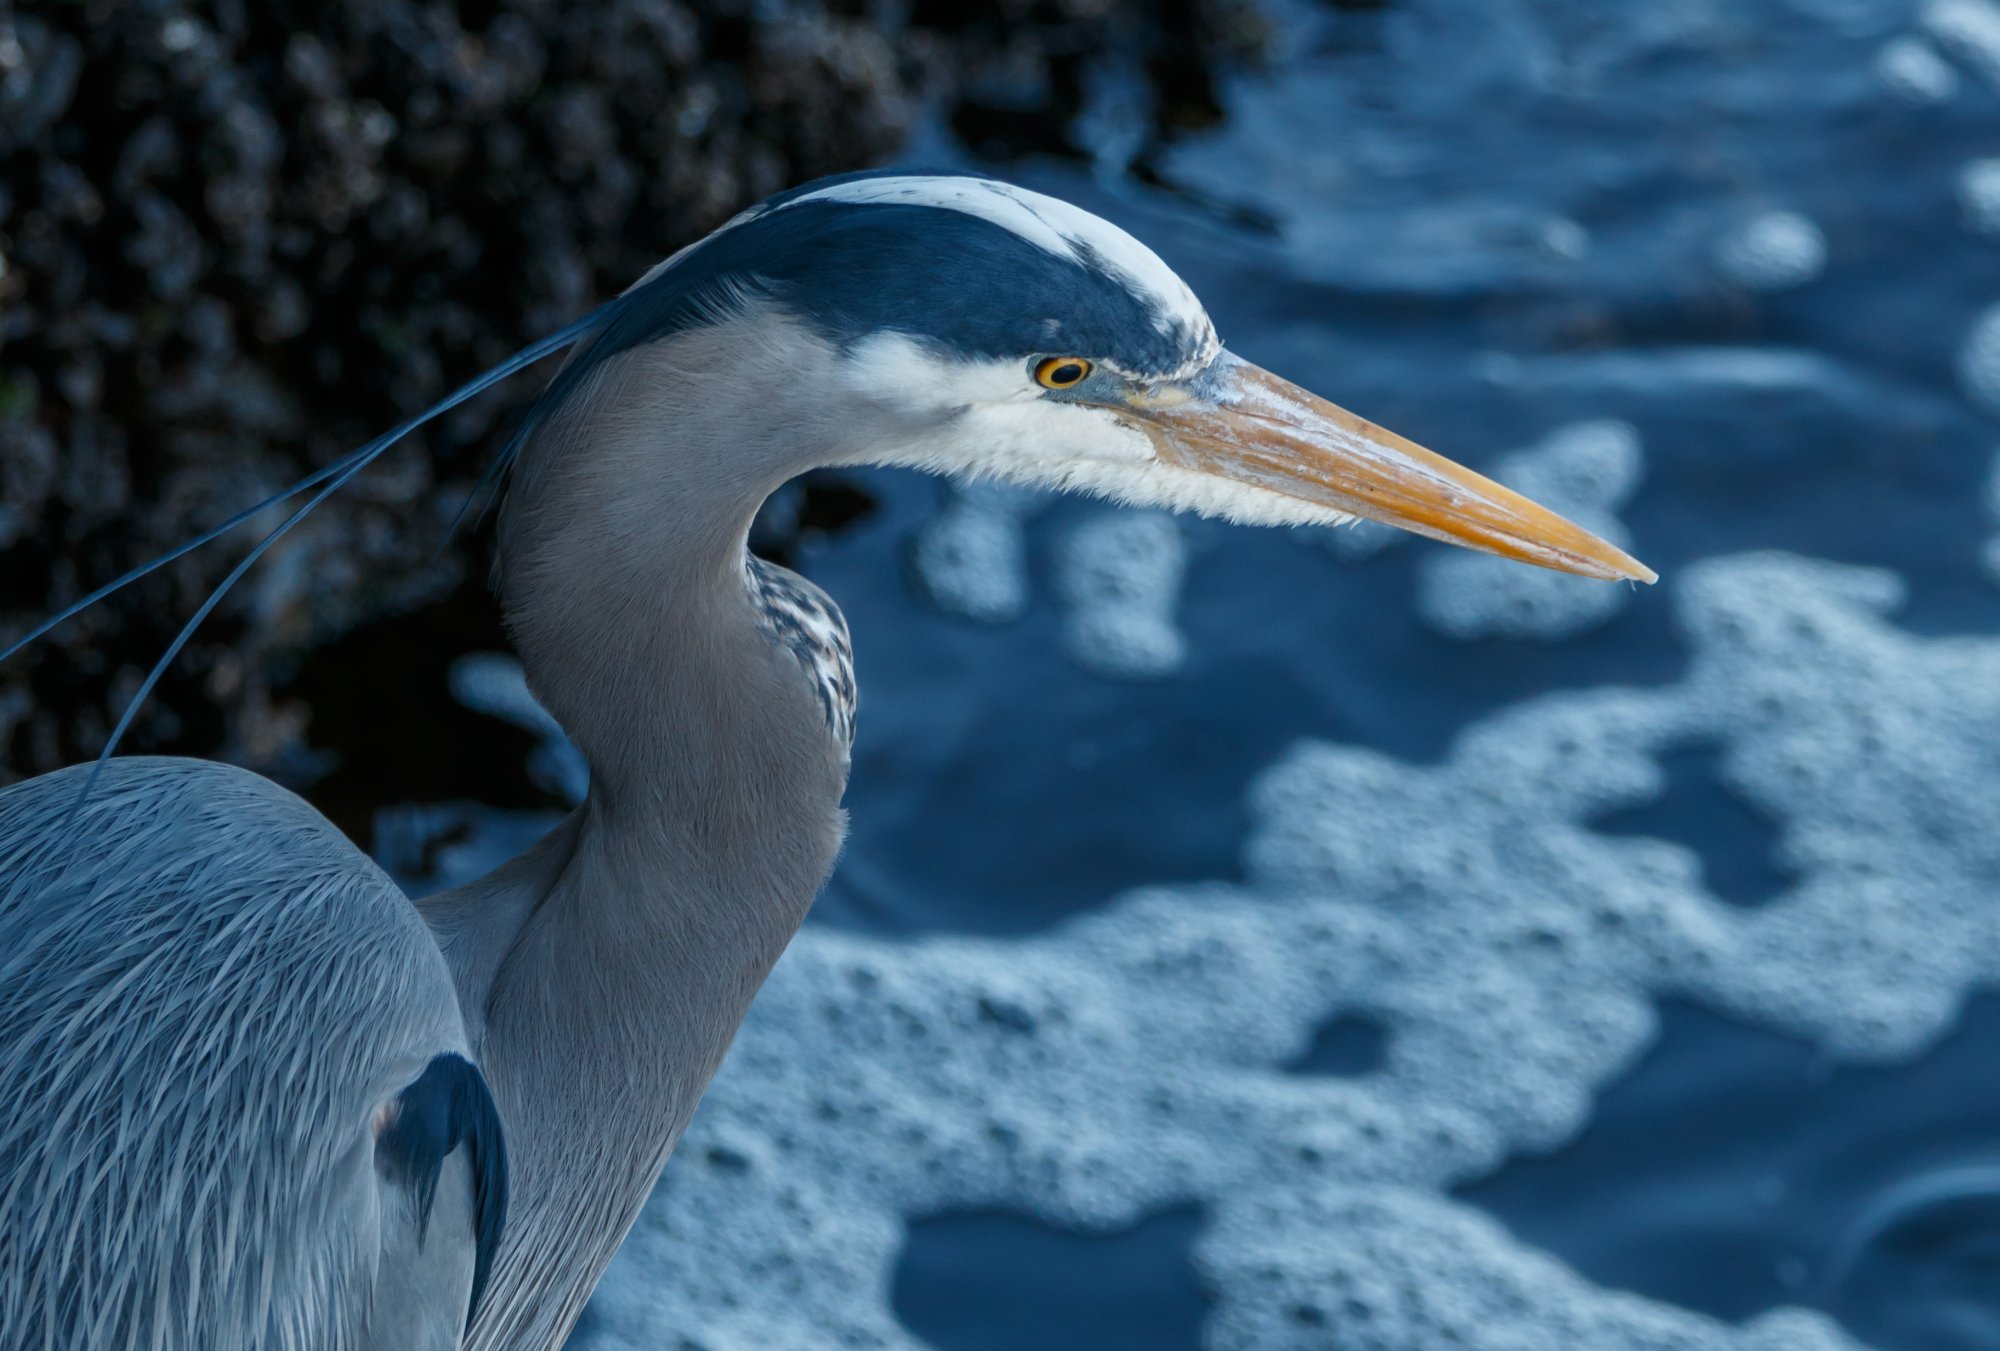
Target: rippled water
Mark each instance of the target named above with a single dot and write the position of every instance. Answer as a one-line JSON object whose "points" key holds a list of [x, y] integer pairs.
{"points": [[1258, 939]]}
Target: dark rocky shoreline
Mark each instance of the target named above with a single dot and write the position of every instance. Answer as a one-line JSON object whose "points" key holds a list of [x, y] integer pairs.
{"points": [[236, 240]]}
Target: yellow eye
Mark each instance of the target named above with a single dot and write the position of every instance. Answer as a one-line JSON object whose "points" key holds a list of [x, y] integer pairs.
{"points": [[1061, 372]]}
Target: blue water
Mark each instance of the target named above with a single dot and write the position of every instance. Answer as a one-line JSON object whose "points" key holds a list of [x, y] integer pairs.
{"points": [[1000, 1283], [1734, 1170], [1735, 843], [1719, 1172], [1477, 225]]}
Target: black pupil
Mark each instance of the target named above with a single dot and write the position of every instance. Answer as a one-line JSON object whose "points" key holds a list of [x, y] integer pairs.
{"points": [[1066, 374]]}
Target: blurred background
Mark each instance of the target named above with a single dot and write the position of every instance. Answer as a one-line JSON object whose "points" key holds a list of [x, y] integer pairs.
{"points": [[1246, 939]]}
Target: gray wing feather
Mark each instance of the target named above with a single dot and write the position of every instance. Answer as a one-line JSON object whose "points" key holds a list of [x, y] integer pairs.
{"points": [[207, 995]]}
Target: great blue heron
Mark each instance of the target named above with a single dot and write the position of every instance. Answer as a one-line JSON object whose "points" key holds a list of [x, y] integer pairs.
{"points": [[251, 1096]]}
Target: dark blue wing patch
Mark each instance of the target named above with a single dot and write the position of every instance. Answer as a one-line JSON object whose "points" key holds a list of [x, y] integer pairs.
{"points": [[447, 1106]]}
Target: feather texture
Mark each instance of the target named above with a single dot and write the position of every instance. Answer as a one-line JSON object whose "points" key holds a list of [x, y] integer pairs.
{"points": [[206, 996]]}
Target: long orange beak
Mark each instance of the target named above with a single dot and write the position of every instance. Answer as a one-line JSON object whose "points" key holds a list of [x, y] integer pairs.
{"points": [[1248, 425]]}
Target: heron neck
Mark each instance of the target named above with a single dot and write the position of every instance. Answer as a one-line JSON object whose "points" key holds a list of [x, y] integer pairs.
{"points": [[604, 972]]}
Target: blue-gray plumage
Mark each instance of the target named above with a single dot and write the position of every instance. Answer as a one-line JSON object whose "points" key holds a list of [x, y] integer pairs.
{"points": [[251, 1096], [164, 1099]]}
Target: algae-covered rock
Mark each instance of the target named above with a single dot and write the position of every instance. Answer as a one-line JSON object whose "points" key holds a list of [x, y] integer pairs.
{"points": [[237, 239]]}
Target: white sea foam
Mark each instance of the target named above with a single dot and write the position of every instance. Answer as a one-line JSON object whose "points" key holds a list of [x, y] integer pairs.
{"points": [[1512, 953], [1120, 576], [1915, 72], [1979, 361], [1776, 251], [1970, 29], [1586, 471], [1979, 196], [972, 556], [1377, 1258]]}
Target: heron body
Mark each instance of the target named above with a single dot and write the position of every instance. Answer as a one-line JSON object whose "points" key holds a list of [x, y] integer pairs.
{"points": [[243, 1108], [164, 1112]]}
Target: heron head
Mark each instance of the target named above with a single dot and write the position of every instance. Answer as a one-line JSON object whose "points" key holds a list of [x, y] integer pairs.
{"points": [[979, 329]]}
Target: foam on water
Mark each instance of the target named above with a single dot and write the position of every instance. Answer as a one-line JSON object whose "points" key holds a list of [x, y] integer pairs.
{"points": [[1979, 360], [1138, 1057], [972, 556], [1586, 471], [1150, 1056], [1774, 252], [1979, 196], [1351, 1286], [1970, 30], [1914, 71], [1120, 574]]}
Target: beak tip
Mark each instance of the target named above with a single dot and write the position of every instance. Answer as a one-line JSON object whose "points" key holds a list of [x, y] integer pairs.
{"points": [[1269, 433], [1630, 569]]}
